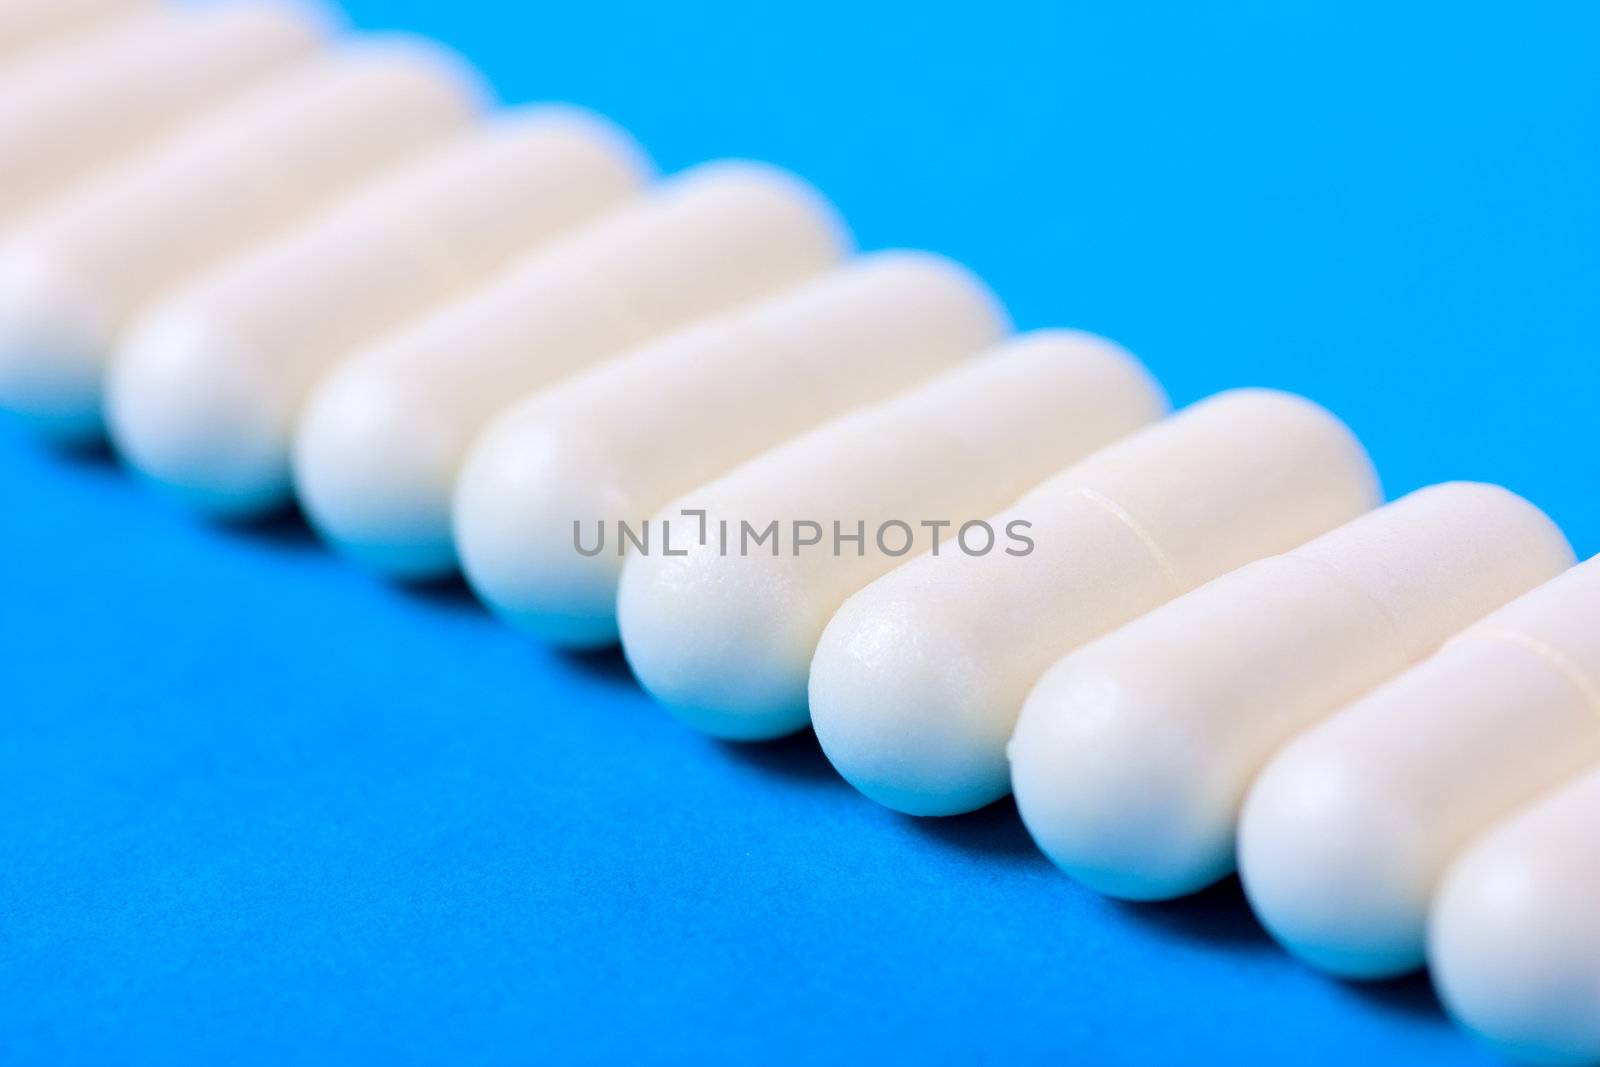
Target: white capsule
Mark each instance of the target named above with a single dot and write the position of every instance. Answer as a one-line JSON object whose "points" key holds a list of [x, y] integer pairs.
{"points": [[26, 25], [84, 266], [624, 439], [1346, 833], [204, 394], [1514, 934], [383, 436], [1133, 755], [919, 679], [724, 636], [92, 102]]}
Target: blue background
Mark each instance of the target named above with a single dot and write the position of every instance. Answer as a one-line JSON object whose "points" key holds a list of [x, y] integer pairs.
{"points": [[258, 808]]}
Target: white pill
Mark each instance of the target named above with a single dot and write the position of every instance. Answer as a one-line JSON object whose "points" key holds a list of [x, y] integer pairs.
{"points": [[31, 24], [1133, 755], [204, 394], [83, 266], [1347, 831], [1514, 934], [94, 101], [724, 634], [383, 436], [919, 679], [621, 441]]}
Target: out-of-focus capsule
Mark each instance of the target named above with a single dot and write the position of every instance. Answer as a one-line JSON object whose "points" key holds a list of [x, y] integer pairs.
{"points": [[377, 453], [90, 103], [83, 267], [204, 395], [620, 441], [31, 24]]}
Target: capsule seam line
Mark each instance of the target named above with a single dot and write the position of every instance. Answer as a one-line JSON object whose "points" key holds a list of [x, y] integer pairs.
{"points": [[1162, 560], [272, 188], [1382, 607], [1545, 651], [432, 251], [641, 325], [795, 359]]}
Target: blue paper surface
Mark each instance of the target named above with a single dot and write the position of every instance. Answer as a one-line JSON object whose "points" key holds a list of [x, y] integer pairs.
{"points": [[256, 807]]}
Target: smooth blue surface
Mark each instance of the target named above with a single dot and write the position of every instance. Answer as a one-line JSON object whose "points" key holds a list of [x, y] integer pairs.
{"points": [[257, 808]]}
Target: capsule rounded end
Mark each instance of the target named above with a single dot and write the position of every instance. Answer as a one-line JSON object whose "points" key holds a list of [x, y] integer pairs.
{"points": [[772, 191], [375, 468], [1515, 951], [428, 58], [187, 412], [603, 137], [905, 714], [534, 517], [1321, 436], [53, 342], [724, 642], [1333, 866], [1115, 789]]}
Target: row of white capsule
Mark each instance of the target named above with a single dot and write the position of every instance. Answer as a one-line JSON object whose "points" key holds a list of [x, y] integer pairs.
{"points": [[272, 268]]}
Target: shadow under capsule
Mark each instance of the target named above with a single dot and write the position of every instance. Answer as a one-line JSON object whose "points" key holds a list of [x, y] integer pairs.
{"points": [[284, 528], [445, 593], [1412, 995], [797, 758], [606, 664], [994, 831], [1220, 916], [95, 454]]}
